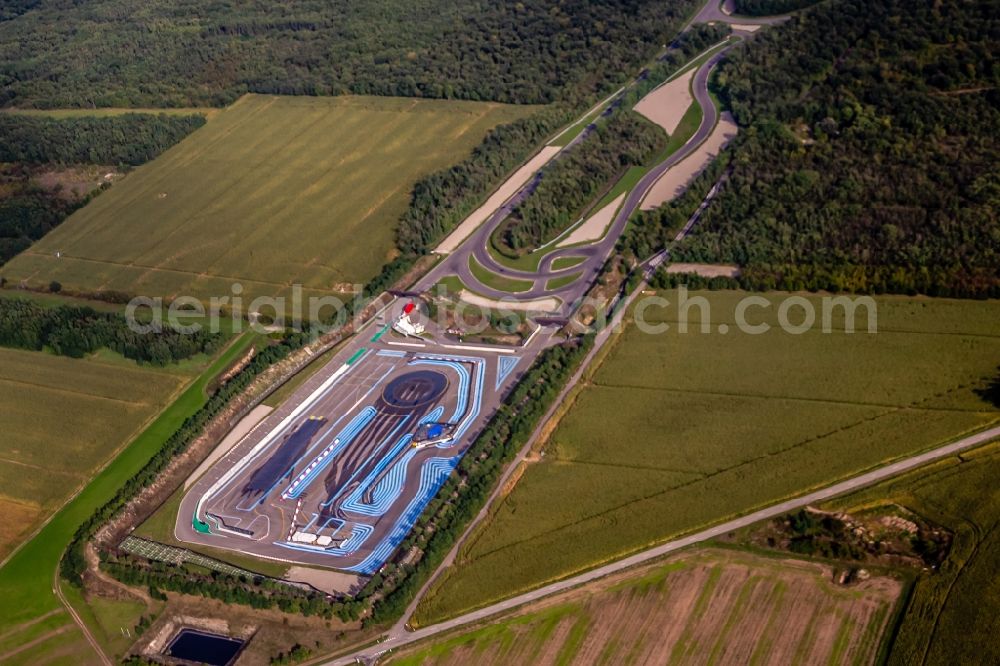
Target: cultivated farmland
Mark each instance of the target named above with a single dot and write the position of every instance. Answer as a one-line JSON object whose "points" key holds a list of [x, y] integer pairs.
{"points": [[61, 419], [951, 617], [272, 191], [676, 431], [707, 606]]}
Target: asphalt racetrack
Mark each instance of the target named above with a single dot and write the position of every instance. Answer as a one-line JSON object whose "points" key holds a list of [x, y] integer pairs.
{"points": [[338, 475]]}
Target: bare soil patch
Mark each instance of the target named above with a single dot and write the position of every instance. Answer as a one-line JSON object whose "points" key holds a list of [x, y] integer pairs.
{"points": [[676, 179], [705, 270], [668, 103], [593, 228], [333, 582], [504, 192]]}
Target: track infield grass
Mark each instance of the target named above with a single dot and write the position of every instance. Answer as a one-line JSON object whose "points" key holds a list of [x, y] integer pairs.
{"points": [[273, 191], [706, 426]]}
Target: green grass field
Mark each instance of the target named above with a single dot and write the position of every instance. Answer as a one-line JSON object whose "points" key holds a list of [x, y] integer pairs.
{"points": [[272, 191], [556, 283], [62, 419], [567, 262], [703, 426], [495, 281], [952, 613], [704, 606], [26, 579]]}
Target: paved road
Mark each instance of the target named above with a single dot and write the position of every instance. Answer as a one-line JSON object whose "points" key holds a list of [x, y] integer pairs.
{"points": [[596, 254], [835, 490]]}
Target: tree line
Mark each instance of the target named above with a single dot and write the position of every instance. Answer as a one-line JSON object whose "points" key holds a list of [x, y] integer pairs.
{"points": [[257, 592], [579, 177], [28, 211], [770, 7], [867, 156], [467, 489], [129, 139], [75, 331], [188, 53], [73, 562]]}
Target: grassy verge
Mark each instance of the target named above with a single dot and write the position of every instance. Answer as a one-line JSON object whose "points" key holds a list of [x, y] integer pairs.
{"points": [[576, 128], [567, 262], [495, 281], [525, 262], [26, 578], [160, 527], [559, 282]]}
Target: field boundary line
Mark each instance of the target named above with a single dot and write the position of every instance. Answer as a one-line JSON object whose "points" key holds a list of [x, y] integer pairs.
{"points": [[57, 589], [777, 509], [130, 438], [60, 389], [30, 623], [38, 640], [759, 396], [709, 475]]}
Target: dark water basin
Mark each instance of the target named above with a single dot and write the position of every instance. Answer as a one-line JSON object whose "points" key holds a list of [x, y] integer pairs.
{"points": [[203, 647]]}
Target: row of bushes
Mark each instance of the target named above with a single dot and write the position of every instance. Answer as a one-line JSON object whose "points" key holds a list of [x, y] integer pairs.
{"points": [[466, 491], [73, 563], [131, 138], [76, 331], [259, 592]]}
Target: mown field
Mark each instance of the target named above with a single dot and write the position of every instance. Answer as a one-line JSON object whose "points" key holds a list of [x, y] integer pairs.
{"points": [[676, 431], [952, 613], [706, 606], [32, 621], [62, 418], [272, 191]]}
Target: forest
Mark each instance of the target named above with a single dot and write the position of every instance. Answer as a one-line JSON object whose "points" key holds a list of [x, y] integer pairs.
{"points": [[440, 201], [28, 211], [590, 167], [129, 139], [107, 53], [770, 7], [32, 146], [77, 331], [867, 154]]}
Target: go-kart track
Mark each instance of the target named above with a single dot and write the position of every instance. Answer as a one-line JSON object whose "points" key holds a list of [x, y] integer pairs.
{"points": [[339, 474]]}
